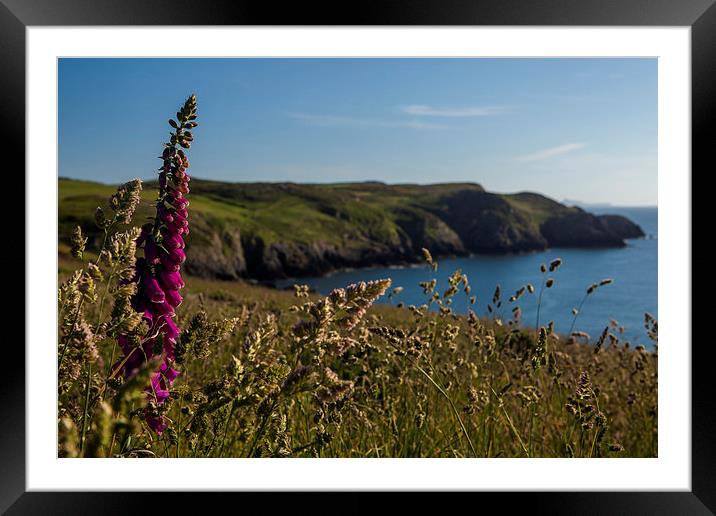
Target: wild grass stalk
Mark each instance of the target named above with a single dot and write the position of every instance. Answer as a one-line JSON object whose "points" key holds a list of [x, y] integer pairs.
{"points": [[590, 290]]}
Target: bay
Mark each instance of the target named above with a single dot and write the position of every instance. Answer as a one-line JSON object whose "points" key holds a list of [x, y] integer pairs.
{"points": [[633, 269]]}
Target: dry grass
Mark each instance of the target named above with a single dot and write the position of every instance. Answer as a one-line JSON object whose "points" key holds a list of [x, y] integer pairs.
{"points": [[294, 380]]}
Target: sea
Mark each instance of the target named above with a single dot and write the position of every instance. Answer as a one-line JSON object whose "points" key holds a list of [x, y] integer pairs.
{"points": [[633, 292]]}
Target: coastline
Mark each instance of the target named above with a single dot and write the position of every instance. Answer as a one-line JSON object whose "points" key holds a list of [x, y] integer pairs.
{"points": [[419, 263]]}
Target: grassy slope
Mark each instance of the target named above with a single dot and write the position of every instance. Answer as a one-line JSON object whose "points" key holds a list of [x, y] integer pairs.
{"points": [[538, 207], [336, 214]]}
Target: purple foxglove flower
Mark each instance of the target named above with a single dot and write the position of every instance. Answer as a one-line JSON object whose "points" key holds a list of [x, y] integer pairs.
{"points": [[179, 220], [154, 291], [160, 284], [180, 203], [175, 227], [164, 214], [151, 253], [169, 373], [162, 381], [177, 255], [176, 195], [171, 280], [169, 330], [158, 424], [169, 264], [180, 217], [159, 389], [163, 309], [172, 240], [173, 297], [133, 357]]}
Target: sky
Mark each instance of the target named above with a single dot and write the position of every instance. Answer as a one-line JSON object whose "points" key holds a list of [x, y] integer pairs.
{"points": [[577, 129]]}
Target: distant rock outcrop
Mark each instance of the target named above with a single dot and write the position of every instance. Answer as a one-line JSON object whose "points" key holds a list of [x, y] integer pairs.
{"points": [[622, 226]]}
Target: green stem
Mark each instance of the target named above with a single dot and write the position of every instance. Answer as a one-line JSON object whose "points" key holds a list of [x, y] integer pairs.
{"points": [[260, 431], [71, 334], [511, 425], [594, 441], [529, 437], [303, 447], [452, 406], [104, 295], [109, 278], [579, 310], [85, 416], [111, 444], [539, 302], [226, 428]]}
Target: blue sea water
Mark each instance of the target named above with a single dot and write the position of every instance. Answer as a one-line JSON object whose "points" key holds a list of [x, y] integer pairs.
{"points": [[633, 292]]}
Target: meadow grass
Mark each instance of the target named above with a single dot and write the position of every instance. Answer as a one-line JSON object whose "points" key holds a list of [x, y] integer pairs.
{"points": [[402, 382]]}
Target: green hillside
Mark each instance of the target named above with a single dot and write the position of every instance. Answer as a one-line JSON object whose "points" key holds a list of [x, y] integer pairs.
{"points": [[272, 230]]}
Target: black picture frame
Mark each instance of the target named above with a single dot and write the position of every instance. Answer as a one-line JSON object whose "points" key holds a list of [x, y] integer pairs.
{"points": [[16, 15]]}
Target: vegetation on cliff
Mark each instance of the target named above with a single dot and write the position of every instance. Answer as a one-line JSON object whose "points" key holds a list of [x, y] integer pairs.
{"points": [[274, 230]]}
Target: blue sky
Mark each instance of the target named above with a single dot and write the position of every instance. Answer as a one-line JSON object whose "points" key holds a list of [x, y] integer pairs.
{"points": [[580, 129]]}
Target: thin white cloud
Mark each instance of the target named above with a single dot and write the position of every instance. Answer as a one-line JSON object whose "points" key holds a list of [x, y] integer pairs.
{"points": [[551, 152], [345, 121], [421, 110]]}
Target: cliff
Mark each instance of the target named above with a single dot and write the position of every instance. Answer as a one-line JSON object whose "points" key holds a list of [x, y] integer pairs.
{"points": [[273, 230]]}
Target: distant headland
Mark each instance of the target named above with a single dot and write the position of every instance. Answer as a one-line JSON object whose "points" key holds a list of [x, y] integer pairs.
{"points": [[273, 230]]}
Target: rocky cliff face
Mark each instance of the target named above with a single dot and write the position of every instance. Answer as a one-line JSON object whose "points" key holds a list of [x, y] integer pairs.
{"points": [[215, 252], [487, 223], [581, 229], [621, 226], [461, 223], [426, 230]]}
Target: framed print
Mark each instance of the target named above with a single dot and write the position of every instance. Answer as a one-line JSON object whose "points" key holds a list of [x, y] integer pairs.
{"points": [[420, 249]]}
